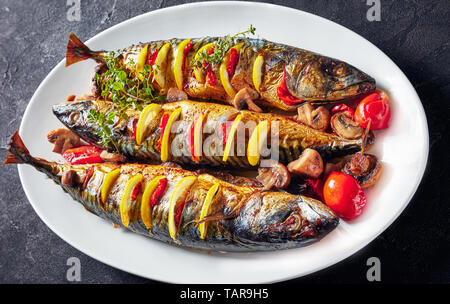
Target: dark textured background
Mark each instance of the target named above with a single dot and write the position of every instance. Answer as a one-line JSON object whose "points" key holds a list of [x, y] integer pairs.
{"points": [[415, 34]]}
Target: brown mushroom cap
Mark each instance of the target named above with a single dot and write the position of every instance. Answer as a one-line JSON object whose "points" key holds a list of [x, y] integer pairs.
{"points": [[318, 119], [365, 168], [277, 175], [344, 126], [309, 163]]}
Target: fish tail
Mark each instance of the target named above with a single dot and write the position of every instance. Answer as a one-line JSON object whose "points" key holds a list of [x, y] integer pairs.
{"points": [[78, 51], [18, 152]]}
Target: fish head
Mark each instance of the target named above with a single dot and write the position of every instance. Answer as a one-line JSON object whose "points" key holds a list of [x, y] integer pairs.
{"points": [[283, 220], [318, 78], [75, 115]]}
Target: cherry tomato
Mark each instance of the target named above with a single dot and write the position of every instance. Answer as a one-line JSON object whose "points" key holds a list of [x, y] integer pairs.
{"points": [[344, 195], [374, 107], [83, 155]]}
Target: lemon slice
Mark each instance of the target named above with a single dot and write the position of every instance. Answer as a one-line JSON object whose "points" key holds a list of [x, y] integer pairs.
{"points": [[160, 77], [146, 212], [256, 142], [205, 209], [141, 62], [224, 77], [257, 71], [178, 195], [125, 201], [149, 113], [198, 137], [108, 182], [178, 66], [165, 137], [198, 72], [229, 143]]}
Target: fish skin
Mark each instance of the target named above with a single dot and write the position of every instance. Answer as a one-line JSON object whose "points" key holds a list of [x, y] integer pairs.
{"points": [[254, 220], [293, 136], [309, 76]]}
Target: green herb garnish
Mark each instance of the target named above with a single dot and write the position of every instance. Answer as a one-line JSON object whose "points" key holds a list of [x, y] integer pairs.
{"points": [[221, 47], [123, 88]]}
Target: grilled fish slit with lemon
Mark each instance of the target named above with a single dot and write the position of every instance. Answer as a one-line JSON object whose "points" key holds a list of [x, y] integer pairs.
{"points": [[186, 208], [201, 133], [217, 68]]}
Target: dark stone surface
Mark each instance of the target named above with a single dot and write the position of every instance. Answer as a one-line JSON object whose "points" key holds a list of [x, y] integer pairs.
{"points": [[415, 34]]}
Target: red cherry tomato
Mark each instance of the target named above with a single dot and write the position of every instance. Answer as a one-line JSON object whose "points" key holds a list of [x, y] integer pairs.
{"points": [[344, 195], [374, 107]]}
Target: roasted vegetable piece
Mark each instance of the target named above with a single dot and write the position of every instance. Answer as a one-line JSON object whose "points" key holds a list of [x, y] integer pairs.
{"points": [[284, 75], [365, 168], [309, 164], [374, 108], [344, 195], [245, 218], [343, 124]]}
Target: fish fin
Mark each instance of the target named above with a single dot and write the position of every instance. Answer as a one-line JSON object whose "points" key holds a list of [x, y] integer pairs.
{"points": [[215, 217], [11, 160], [18, 151], [76, 50]]}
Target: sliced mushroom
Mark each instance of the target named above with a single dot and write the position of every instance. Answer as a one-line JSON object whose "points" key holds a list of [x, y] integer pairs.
{"points": [[112, 157], [318, 118], [365, 168], [173, 94], [275, 176], [68, 178], [309, 163], [344, 126], [244, 100], [63, 139]]}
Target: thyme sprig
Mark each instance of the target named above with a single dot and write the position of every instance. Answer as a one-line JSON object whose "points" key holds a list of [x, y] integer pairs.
{"points": [[221, 47], [125, 90]]}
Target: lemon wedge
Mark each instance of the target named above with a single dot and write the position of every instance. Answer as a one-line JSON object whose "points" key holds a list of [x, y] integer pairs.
{"points": [[257, 71], [198, 72], [224, 77], [205, 209], [165, 137], [141, 62], [146, 212], [178, 196], [256, 142], [149, 113], [125, 201], [230, 138], [108, 182], [178, 66], [160, 77]]}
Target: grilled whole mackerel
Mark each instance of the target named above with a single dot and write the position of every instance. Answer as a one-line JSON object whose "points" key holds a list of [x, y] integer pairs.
{"points": [[291, 137], [240, 218], [308, 76]]}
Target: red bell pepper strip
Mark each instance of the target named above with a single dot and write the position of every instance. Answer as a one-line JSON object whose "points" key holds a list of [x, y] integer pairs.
{"points": [[191, 139], [136, 191], [162, 127], [83, 155], [158, 193], [185, 51], [179, 211], [375, 108], [342, 108], [135, 122], [232, 62], [209, 71], [284, 94]]}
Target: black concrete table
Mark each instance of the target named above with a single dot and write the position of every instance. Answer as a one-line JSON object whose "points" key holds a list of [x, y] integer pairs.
{"points": [[415, 34]]}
